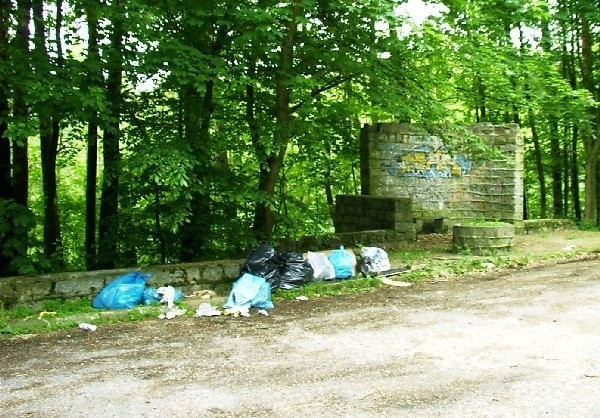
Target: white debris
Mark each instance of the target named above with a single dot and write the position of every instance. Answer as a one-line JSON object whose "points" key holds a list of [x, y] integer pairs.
{"points": [[396, 283], [172, 313], [301, 297], [206, 309], [88, 327], [167, 294], [238, 311]]}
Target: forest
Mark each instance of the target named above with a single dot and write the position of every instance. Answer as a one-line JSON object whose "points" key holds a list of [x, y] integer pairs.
{"points": [[143, 132]]}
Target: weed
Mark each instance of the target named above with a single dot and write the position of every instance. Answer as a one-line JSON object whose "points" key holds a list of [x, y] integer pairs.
{"points": [[325, 288], [68, 306]]}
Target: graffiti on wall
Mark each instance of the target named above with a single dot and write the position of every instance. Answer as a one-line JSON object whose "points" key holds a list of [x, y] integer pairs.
{"points": [[428, 162]]}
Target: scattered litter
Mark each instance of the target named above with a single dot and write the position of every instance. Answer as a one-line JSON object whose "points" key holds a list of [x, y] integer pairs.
{"points": [[45, 313], [88, 327], [569, 248], [391, 282], [206, 309], [263, 312], [301, 297], [172, 313], [489, 266], [152, 295], [203, 294], [237, 311], [440, 292], [167, 294]]}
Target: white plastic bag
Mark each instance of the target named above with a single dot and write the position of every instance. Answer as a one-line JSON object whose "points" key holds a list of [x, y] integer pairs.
{"points": [[323, 269]]}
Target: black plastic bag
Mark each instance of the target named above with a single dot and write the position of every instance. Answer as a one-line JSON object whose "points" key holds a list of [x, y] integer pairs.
{"points": [[264, 262], [295, 271]]}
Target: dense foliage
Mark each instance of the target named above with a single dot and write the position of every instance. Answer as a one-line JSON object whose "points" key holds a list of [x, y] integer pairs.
{"points": [[146, 132]]}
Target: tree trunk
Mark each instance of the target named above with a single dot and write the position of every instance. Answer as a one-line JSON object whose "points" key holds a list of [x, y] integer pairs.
{"points": [[48, 144], [94, 80], [538, 164], [196, 119], [327, 175], [264, 216], [591, 138], [566, 178], [20, 107], [5, 172], [108, 232], [556, 168], [575, 174]]}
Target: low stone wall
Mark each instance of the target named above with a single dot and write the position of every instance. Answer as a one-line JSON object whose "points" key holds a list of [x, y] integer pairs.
{"points": [[388, 239], [188, 276], [532, 226], [16, 290]]}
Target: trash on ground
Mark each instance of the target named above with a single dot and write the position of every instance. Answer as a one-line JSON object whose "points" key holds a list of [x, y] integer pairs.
{"points": [[263, 312], [42, 314], [322, 267], [264, 262], [237, 311], [569, 248], [489, 265], [161, 295], [172, 313], [129, 290], [388, 281], [202, 294], [301, 297], [295, 271], [167, 295], [249, 291], [122, 293], [88, 327], [373, 261], [343, 262], [206, 309]]}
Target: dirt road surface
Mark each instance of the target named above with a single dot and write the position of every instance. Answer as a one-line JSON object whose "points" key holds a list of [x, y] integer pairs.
{"points": [[515, 344]]}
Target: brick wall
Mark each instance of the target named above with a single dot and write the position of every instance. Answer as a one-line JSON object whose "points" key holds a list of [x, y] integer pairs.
{"points": [[405, 161]]}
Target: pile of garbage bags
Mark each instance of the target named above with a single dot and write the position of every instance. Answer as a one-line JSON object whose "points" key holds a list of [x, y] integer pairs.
{"points": [[265, 270], [290, 270]]}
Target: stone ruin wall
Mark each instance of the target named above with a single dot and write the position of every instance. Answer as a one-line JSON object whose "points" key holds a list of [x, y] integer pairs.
{"points": [[403, 160]]}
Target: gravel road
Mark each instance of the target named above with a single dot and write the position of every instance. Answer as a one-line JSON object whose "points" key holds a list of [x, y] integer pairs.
{"points": [[514, 344]]}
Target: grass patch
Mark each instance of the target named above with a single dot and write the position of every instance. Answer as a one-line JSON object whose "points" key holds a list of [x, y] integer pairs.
{"points": [[59, 314], [327, 288]]}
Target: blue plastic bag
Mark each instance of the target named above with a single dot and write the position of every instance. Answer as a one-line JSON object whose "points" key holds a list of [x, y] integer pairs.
{"points": [[250, 291], [124, 292], [343, 263]]}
